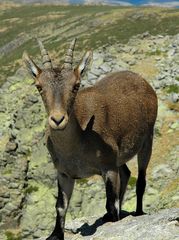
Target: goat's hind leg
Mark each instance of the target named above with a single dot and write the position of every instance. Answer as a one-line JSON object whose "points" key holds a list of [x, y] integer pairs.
{"points": [[124, 177], [112, 184], [116, 183], [143, 159], [65, 188]]}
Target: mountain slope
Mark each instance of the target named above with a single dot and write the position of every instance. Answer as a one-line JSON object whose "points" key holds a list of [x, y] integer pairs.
{"points": [[57, 25]]}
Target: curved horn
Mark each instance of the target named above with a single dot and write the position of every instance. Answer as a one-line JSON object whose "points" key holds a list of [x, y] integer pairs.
{"points": [[69, 55], [45, 57]]}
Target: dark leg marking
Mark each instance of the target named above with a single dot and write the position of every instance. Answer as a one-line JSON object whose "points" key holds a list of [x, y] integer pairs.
{"points": [[124, 176], [140, 189], [143, 160], [65, 188], [58, 232], [112, 185]]}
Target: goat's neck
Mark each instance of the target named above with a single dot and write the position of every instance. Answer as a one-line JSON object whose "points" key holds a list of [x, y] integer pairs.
{"points": [[69, 139]]}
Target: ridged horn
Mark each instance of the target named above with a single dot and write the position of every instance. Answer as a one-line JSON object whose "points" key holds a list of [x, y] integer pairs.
{"points": [[69, 55], [45, 57]]}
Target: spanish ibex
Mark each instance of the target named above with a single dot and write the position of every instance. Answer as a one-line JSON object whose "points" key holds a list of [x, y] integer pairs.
{"points": [[95, 130]]}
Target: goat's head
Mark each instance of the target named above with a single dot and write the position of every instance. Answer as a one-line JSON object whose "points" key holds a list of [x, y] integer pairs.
{"points": [[58, 86]]}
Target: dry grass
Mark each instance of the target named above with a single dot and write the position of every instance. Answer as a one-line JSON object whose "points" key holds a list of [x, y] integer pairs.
{"points": [[162, 146], [45, 18], [12, 20], [94, 26], [114, 15], [146, 68], [7, 6], [173, 106], [3, 29]]}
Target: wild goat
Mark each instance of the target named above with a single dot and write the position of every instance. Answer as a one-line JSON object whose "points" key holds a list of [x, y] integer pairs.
{"points": [[95, 130]]}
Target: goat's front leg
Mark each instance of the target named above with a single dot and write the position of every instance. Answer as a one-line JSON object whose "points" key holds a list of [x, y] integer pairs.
{"points": [[65, 188]]}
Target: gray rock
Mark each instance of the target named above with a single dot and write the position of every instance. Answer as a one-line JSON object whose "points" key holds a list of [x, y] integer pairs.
{"points": [[105, 67], [145, 34], [10, 207], [4, 193], [3, 108], [174, 125], [14, 133], [122, 64], [91, 76], [159, 226], [174, 97], [21, 73], [11, 146], [132, 62], [171, 52], [2, 203], [14, 185], [161, 171], [33, 99], [127, 49], [96, 71], [156, 85], [116, 68]]}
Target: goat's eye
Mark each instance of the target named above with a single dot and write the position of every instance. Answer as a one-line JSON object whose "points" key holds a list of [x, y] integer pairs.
{"points": [[76, 87]]}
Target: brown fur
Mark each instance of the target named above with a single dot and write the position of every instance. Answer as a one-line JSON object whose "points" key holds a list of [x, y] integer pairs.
{"points": [[124, 107]]}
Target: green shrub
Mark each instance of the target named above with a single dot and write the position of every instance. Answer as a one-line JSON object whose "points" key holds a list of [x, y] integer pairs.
{"points": [[174, 88], [82, 181], [157, 52], [31, 189], [132, 181], [12, 236], [157, 132]]}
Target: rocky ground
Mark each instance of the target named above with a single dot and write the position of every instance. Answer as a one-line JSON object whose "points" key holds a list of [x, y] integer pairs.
{"points": [[27, 195], [163, 225]]}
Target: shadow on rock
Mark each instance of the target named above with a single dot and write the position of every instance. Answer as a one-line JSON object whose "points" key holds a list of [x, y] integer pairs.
{"points": [[88, 230]]}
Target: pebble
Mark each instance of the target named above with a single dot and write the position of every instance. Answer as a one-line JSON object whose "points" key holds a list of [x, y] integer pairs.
{"points": [[11, 146]]}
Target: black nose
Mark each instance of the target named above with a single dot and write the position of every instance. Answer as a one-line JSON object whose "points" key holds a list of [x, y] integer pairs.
{"points": [[57, 121]]}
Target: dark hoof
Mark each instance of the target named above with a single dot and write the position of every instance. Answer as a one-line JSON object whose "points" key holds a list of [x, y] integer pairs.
{"points": [[139, 213], [55, 237], [108, 217]]}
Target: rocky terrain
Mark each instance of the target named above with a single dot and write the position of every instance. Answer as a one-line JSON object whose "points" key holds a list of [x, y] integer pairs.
{"points": [[159, 226], [27, 176]]}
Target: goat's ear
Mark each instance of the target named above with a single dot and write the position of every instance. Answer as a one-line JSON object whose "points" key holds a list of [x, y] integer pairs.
{"points": [[33, 69], [84, 64]]}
